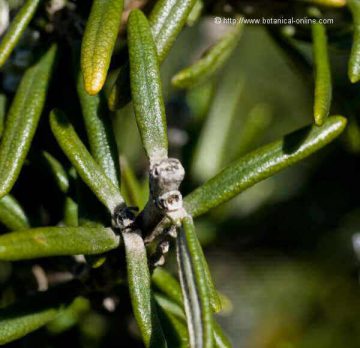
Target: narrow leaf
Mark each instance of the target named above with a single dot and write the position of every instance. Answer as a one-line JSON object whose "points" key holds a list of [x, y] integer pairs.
{"points": [[22, 120], [99, 41], [100, 133], [194, 288], [220, 340], [146, 87], [261, 164], [16, 29], [85, 165], [12, 215], [71, 212], [2, 112], [174, 328], [131, 188], [212, 60], [56, 241], [195, 13], [354, 62], [140, 290], [58, 172], [33, 312], [168, 285], [176, 310], [323, 88], [166, 21], [330, 3]]}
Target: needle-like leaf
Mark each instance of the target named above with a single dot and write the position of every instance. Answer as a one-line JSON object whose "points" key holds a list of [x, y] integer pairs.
{"points": [[100, 133], [330, 3], [71, 212], [323, 88], [2, 112], [166, 22], [22, 120], [56, 241], [33, 312], [16, 29], [12, 215], [194, 287], [174, 328], [146, 87], [166, 283], [140, 290], [354, 62], [175, 308], [85, 165], [58, 172], [212, 60], [261, 164], [99, 41]]}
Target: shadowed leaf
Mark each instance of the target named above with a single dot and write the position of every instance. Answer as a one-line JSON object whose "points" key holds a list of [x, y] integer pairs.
{"points": [[33, 312], [12, 215], [212, 60], [16, 29], [22, 120], [99, 133]]}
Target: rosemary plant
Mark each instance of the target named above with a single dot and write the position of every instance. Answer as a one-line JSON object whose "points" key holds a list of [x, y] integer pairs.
{"points": [[112, 53]]}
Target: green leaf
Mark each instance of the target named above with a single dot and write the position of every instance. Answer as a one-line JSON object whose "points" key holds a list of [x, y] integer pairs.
{"points": [[56, 241], [174, 328], [220, 340], [166, 21], [33, 312], [131, 189], [167, 284], [146, 87], [212, 60], [2, 112], [261, 164], [100, 133], [12, 215], [330, 3], [209, 153], [194, 287], [22, 120], [58, 172], [70, 316], [354, 62], [140, 290], [98, 42], [16, 29], [323, 88], [71, 212], [85, 165], [173, 303], [195, 13]]}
